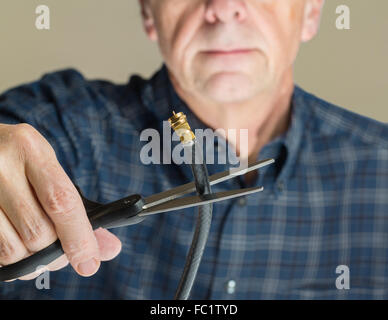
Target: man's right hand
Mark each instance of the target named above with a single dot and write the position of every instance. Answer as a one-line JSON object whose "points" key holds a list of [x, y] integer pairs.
{"points": [[39, 204]]}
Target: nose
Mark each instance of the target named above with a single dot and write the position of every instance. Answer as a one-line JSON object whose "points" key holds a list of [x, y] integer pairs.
{"points": [[225, 10]]}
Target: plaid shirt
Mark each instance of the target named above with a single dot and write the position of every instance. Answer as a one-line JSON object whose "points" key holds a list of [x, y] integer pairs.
{"points": [[325, 201]]}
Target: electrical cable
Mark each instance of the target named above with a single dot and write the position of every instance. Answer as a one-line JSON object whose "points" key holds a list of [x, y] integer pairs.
{"points": [[202, 228]]}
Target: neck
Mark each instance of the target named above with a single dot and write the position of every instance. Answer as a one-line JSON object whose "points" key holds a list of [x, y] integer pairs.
{"points": [[266, 116]]}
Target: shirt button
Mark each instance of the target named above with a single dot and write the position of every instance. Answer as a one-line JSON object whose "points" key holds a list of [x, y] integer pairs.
{"points": [[231, 286], [280, 185], [242, 201]]}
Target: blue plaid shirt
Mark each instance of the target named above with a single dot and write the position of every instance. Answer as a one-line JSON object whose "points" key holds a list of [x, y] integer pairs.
{"points": [[325, 201]]}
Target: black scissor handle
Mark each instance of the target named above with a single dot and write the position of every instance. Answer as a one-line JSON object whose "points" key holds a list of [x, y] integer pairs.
{"points": [[111, 215]]}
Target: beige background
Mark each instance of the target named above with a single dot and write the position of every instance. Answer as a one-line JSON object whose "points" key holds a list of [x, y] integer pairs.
{"points": [[104, 39]]}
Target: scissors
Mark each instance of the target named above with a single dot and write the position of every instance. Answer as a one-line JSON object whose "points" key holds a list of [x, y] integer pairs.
{"points": [[134, 209]]}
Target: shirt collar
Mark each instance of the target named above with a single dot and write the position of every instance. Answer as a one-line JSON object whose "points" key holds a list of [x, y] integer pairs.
{"points": [[160, 97], [294, 137], [285, 149]]}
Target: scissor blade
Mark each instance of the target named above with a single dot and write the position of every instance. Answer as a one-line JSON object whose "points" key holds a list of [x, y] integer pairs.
{"points": [[218, 177], [192, 201]]}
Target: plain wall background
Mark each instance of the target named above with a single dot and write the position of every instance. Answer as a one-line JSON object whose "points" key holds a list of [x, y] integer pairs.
{"points": [[105, 39]]}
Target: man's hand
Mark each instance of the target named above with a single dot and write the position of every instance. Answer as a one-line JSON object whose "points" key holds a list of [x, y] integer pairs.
{"points": [[39, 203]]}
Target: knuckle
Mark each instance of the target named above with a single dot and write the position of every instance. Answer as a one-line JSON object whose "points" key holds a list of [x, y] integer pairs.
{"points": [[25, 138], [23, 132], [29, 141], [62, 201], [37, 234], [8, 252], [78, 247], [78, 251]]}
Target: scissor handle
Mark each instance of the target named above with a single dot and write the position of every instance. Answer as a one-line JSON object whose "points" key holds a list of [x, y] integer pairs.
{"points": [[112, 215]]}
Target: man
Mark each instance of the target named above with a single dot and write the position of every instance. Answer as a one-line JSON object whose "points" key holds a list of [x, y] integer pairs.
{"points": [[228, 64]]}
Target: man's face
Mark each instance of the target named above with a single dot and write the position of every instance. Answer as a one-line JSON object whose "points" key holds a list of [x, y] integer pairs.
{"points": [[230, 50]]}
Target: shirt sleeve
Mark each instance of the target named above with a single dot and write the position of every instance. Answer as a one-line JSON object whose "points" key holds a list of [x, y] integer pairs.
{"points": [[53, 105], [58, 105]]}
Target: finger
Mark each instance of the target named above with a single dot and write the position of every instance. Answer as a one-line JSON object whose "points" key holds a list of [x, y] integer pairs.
{"points": [[12, 248], [35, 274], [108, 243], [62, 203], [24, 211], [57, 264]]}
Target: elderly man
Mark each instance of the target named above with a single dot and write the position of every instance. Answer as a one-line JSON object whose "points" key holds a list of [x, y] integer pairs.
{"points": [[319, 230]]}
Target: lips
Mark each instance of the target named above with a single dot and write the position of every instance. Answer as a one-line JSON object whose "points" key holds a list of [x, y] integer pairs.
{"points": [[228, 52]]}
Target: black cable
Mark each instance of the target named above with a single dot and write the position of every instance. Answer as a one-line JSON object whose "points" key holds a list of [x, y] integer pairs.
{"points": [[202, 227]]}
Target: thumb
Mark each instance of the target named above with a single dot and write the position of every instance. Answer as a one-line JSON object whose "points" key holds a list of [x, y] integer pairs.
{"points": [[108, 244]]}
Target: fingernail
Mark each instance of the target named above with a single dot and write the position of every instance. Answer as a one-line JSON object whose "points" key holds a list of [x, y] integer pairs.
{"points": [[89, 267]]}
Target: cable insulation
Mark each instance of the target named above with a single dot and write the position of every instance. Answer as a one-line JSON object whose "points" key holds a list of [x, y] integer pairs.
{"points": [[202, 227]]}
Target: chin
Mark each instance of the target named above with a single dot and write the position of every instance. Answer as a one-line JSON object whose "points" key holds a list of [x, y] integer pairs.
{"points": [[229, 88]]}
